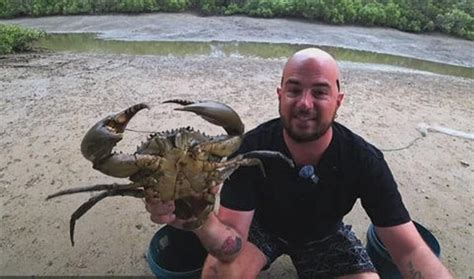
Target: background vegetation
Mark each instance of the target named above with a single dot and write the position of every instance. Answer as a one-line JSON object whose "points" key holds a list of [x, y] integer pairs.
{"points": [[17, 39], [454, 17]]}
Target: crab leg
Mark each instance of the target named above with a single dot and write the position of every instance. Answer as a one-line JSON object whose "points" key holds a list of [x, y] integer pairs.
{"points": [[93, 188], [269, 154], [138, 193], [226, 168]]}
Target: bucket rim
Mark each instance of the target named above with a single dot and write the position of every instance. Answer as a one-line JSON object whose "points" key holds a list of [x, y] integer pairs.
{"points": [[175, 273], [372, 236], [152, 254], [423, 231]]}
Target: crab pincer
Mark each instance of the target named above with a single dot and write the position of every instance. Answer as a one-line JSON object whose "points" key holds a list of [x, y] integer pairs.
{"points": [[105, 134]]}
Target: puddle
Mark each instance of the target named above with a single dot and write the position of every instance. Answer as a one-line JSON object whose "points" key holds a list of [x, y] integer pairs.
{"points": [[90, 43]]}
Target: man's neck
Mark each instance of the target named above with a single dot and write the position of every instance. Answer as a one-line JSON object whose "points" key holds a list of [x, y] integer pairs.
{"points": [[308, 153]]}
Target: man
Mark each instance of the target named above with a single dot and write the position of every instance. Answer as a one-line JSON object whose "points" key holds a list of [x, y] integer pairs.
{"points": [[260, 218]]}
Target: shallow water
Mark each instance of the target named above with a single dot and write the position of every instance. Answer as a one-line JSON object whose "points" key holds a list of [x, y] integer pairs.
{"points": [[90, 43]]}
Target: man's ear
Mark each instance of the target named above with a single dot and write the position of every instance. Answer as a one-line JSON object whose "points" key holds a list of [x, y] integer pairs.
{"points": [[340, 98], [279, 92]]}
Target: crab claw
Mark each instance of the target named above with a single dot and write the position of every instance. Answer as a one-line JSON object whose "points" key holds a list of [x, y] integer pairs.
{"points": [[215, 113], [99, 141]]}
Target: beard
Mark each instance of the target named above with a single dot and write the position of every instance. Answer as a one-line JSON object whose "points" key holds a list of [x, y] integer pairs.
{"points": [[315, 133]]}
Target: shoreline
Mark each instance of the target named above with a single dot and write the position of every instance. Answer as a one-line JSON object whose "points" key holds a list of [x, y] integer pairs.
{"points": [[190, 27]]}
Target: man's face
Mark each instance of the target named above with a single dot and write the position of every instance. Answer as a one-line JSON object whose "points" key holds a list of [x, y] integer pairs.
{"points": [[308, 98]]}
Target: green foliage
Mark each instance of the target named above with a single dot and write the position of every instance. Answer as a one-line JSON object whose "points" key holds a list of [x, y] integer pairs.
{"points": [[6, 9], [131, 6], [313, 9], [372, 14], [259, 8], [448, 16], [173, 5], [212, 7], [331, 11], [71, 7], [270, 8], [392, 14], [233, 9], [456, 22], [105, 6], [345, 11], [14, 38]]}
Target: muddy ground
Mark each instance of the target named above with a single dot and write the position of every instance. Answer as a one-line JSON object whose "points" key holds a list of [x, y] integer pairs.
{"points": [[48, 101]]}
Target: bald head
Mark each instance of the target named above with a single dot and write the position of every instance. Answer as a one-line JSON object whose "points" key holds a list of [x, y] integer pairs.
{"points": [[313, 55], [309, 95]]}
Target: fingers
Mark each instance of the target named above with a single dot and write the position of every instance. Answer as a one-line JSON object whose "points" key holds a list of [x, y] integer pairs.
{"points": [[212, 190], [160, 212], [163, 212], [162, 219], [157, 207]]}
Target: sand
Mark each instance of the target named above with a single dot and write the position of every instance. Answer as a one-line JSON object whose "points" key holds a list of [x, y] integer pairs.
{"points": [[48, 101]]}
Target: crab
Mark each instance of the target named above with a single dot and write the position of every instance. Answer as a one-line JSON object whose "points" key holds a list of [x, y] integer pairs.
{"points": [[180, 165]]}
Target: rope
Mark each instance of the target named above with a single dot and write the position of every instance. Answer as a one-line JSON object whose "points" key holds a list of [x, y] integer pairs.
{"points": [[422, 128], [404, 147]]}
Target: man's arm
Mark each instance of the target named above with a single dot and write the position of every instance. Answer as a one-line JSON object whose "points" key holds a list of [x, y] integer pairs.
{"points": [[410, 252], [224, 234]]}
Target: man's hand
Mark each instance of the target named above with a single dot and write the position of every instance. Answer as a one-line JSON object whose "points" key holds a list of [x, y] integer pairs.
{"points": [[160, 212], [163, 212]]}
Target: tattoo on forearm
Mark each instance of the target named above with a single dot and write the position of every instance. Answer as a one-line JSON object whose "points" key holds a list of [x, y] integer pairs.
{"points": [[231, 245], [415, 274]]}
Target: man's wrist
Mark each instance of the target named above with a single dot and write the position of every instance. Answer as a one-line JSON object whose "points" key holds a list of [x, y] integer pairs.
{"points": [[202, 228]]}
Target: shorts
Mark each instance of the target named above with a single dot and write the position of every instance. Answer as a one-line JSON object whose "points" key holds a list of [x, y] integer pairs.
{"points": [[336, 255]]}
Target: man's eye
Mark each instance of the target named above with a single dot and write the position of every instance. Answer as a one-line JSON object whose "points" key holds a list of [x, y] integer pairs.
{"points": [[293, 92], [319, 93]]}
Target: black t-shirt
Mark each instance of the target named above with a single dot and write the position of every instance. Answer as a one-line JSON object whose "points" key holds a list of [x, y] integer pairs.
{"points": [[298, 210]]}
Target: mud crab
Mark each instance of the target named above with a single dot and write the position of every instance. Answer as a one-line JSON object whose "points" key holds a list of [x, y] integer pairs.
{"points": [[180, 165]]}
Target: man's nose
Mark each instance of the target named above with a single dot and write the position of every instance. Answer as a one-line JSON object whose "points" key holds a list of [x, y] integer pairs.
{"points": [[306, 100]]}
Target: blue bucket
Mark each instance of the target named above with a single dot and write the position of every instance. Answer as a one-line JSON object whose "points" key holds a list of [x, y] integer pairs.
{"points": [[175, 253], [381, 258]]}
